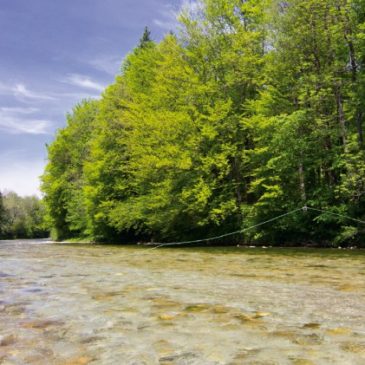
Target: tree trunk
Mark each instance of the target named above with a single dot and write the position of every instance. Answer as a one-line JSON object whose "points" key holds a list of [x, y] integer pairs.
{"points": [[341, 116], [302, 183], [359, 128]]}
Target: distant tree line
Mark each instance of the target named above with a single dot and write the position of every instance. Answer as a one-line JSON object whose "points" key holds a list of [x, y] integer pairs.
{"points": [[255, 108], [22, 217]]}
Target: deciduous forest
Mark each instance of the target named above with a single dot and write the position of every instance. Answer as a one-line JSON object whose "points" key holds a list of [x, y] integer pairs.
{"points": [[250, 110], [22, 217]]}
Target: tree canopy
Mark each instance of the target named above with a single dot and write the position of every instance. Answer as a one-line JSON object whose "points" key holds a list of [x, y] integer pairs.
{"points": [[255, 108], [22, 217]]}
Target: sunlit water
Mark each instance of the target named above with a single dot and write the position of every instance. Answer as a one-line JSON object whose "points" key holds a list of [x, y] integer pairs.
{"points": [[72, 304]]}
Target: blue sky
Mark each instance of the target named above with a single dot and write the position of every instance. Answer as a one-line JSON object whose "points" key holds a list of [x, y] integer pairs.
{"points": [[53, 53]]}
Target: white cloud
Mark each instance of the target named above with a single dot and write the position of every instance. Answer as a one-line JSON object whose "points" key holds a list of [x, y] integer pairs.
{"points": [[20, 176], [20, 90], [17, 121], [84, 82], [12, 117], [23, 95]]}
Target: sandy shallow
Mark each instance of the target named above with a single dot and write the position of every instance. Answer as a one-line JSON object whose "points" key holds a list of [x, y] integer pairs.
{"points": [[79, 304]]}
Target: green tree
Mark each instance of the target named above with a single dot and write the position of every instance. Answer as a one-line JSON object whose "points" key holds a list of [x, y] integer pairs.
{"points": [[2, 215], [145, 39], [310, 77], [254, 109], [24, 217], [63, 179]]}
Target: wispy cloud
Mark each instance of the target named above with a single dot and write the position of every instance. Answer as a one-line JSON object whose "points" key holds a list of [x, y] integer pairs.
{"points": [[84, 82], [75, 97], [17, 121], [109, 65], [20, 90], [168, 18], [24, 95], [169, 15], [165, 24], [19, 110]]}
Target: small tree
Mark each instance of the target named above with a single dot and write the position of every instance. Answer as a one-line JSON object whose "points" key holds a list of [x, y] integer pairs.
{"points": [[2, 216], [146, 38]]}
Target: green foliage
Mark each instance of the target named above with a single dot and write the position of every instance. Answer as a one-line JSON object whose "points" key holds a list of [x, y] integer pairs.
{"points": [[254, 109], [145, 39], [22, 217], [63, 179], [2, 216]]}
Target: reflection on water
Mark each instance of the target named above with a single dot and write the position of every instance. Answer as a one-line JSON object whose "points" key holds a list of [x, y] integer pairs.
{"points": [[78, 305]]}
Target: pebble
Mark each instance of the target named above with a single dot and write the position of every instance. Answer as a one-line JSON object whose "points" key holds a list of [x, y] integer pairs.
{"points": [[41, 324], [166, 317], [311, 325], [83, 360], [7, 340], [339, 331], [262, 314]]}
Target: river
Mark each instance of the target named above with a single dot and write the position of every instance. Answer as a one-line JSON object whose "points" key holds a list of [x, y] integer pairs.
{"points": [[91, 304]]}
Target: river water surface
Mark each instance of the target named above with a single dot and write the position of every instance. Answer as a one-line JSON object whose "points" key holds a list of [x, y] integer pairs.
{"points": [[78, 304]]}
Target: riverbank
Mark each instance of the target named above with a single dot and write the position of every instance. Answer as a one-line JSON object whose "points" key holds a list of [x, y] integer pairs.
{"points": [[309, 246]]}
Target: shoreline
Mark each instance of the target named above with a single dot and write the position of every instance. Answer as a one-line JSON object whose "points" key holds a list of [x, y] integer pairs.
{"points": [[149, 245]]}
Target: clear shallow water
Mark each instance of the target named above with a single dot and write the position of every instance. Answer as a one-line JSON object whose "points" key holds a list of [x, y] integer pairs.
{"points": [[76, 305]]}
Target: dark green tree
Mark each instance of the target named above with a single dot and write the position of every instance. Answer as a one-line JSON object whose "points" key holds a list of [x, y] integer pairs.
{"points": [[23, 217], [145, 39], [2, 216]]}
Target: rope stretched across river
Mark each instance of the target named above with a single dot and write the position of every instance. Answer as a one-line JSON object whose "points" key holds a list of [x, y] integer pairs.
{"points": [[215, 238]]}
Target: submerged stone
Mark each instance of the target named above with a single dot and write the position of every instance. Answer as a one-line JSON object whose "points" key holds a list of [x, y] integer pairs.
{"points": [[220, 309], [167, 317], [105, 296], [339, 331], [197, 308], [244, 317], [82, 360], [357, 348], [308, 340], [163, 347], [261, 314], [303, 362], [7, 340], [41, 324], [15, 309], [311, 325], [161, 303], [184, 356]]}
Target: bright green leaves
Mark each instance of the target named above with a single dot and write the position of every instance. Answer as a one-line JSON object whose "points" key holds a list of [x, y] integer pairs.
{"points": [[307, 122], [254, 109], [63, 178]]}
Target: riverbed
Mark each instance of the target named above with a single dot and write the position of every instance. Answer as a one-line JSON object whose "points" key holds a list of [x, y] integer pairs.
{"points": [[69, 304]]}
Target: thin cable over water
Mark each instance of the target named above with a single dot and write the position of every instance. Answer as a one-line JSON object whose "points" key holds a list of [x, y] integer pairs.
{"points": [[305, 208], [215, 238], [334, 214]]}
